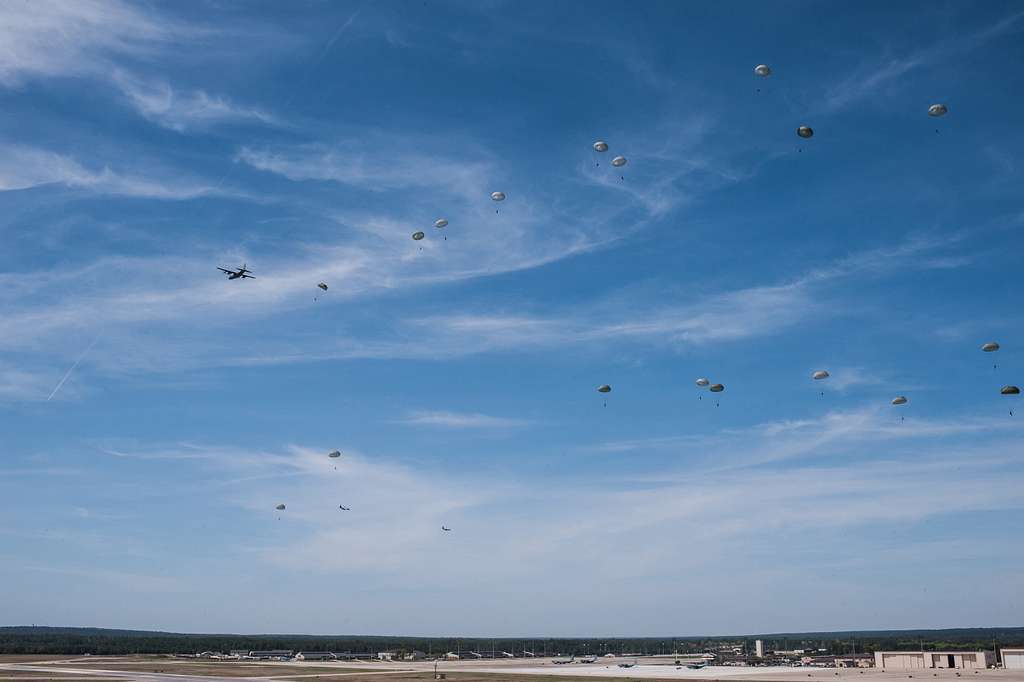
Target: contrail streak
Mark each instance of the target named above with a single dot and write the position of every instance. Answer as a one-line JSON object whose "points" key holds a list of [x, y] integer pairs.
{"points": [[68, 373]]}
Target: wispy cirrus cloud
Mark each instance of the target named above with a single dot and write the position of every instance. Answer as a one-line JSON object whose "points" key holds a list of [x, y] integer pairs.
{"points": [[23, 167], [49, 38], [872, 77], [93, 39], [20, 384], [849, 495], [128, 318], [179, 110], [870, 431], [461, 420], [41, 471], [842, 378], [145, 583], [726, 316], [515, 528], [390, 166]]}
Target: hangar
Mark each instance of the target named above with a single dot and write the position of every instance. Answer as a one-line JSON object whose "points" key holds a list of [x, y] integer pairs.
{"points": [[1013, 659], [917, 660]]}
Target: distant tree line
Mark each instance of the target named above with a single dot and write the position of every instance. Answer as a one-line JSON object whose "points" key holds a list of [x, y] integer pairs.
{"points": [[97, 641]]}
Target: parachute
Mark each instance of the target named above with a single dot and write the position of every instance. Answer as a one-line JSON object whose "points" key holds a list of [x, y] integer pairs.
{"points": [[900, 400], [805, 132], [334, 455], [702, 383], [604, 388], [600, 146], [323, 286], [418, 235], [1009, 390], [279, 507], [763, 70], [820, 374], [937, 110], [990, 347], [497, 196], [440, 222], [619, 162], [716, 388]]}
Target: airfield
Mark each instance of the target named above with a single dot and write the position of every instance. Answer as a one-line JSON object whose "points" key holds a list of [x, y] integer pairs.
{"points": [[165, 669]]}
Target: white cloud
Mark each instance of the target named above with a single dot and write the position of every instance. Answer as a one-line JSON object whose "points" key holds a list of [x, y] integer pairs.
{"points": [[379, 163], [62, 312], [53, 38], [461, 420], [143, 583], [576, 532], [723, 317], [842, 378], [871, 78], [869, 433], [161, 103], [93, 39], [25, 167], [41, 471], [728, 316], [592, 515], [18, 384]]}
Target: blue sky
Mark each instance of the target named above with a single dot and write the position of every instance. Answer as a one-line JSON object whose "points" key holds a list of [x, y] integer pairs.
{"points": [[145, 144]]}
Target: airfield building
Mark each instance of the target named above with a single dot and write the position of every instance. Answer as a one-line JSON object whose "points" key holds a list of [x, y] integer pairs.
{"points": [[1013, 659], [271, 653], [759, 648], [917, 660], [855, 661], [315, 656]]}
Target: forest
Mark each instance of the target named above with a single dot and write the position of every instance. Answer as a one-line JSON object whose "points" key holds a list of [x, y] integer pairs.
{"points": [[99, 641]]}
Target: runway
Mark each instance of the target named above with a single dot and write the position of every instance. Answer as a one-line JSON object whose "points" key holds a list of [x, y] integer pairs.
{"points": [[161, 669]]}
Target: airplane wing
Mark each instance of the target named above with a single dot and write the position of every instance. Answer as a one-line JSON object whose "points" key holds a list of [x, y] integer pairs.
{"points": [[245, 276], [230, 272]]}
